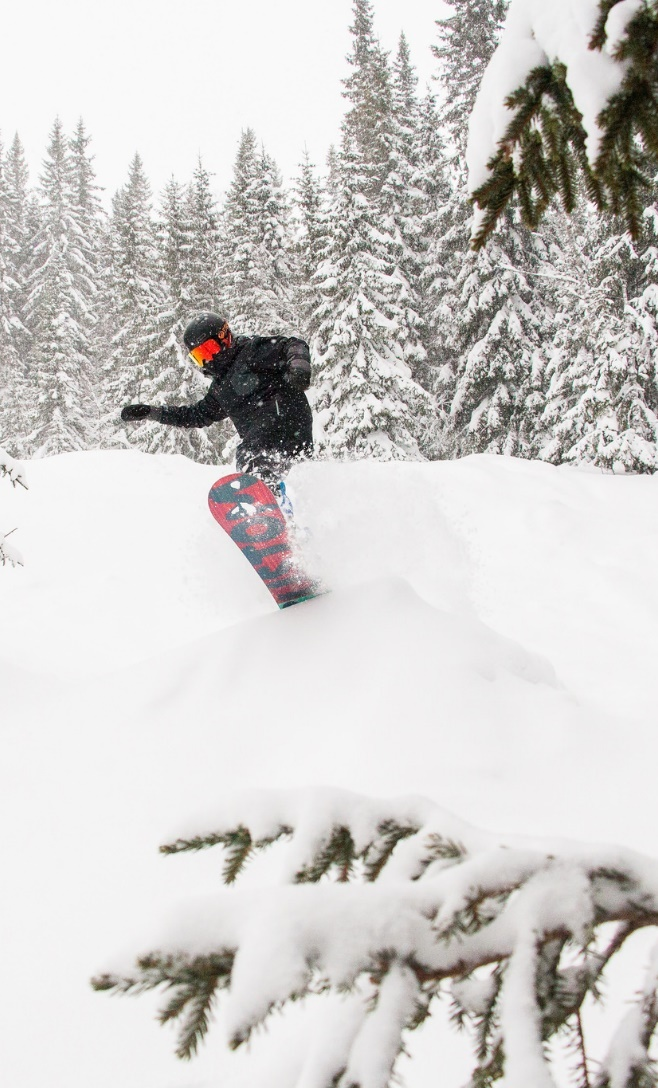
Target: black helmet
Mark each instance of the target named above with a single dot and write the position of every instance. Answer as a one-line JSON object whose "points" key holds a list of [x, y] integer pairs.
{"points": [[204, 327]]}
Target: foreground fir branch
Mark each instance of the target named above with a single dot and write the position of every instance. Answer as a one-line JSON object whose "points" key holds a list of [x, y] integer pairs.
{"points": [[549, 147], [13, 470], [518, 933], [15, 473], [195, 983]]}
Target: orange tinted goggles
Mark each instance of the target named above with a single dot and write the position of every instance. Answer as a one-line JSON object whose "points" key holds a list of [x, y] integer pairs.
{"points": [[206, 351]]}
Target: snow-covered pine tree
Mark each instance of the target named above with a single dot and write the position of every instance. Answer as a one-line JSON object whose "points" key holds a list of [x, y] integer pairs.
{"points": [[520, 932], [21, 224], [467, 40], [174, 379], [501, 330], [431, 181], [88, 219], [204, 242], [86, 203], [21, 212], [238, 216], [174, 230], [276, 294], [147, 304], [332, 171], [642, 316], [367, 88], [14, 405], [14, 472], [367, 403], [602, 396], [257, 279], [133, 298], [59, 315], [490, 315], [403, 206], [311, 243]]}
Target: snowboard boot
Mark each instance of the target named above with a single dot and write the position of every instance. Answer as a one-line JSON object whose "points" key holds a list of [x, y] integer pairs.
{"points": [[300, 534], [283, 498]]}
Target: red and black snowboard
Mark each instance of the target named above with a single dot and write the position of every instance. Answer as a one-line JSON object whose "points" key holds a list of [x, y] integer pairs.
{"points": [[246, 509]]}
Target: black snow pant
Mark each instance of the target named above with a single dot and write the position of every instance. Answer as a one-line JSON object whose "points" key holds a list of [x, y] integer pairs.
{"points": [[281, 435]]}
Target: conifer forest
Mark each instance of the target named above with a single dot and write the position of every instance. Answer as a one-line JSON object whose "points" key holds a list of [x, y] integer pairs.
{"points": [[542, 344]]}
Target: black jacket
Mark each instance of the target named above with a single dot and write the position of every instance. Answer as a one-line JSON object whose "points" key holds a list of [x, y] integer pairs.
{"points": [[252, 387]]}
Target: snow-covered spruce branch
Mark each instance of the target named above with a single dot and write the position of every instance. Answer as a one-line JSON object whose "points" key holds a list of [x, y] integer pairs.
{"points": [[393, 903], [15, 473], [13, 470], [570, 94], [9, 554]]}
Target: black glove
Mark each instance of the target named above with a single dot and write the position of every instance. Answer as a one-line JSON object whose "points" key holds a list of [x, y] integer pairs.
{"points": [[135, 411], [298, 374]]}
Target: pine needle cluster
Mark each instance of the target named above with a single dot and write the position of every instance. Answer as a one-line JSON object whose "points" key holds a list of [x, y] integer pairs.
{"points": [[194, 982], [543, 151]]}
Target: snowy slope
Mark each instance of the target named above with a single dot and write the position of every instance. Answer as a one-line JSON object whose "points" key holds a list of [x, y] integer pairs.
{"points": [[489, 643]]}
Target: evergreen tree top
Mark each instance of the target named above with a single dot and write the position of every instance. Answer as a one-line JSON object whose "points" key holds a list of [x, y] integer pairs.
{"points": [[368, 90], [85, 188], [405, 80], [56, 169], [467, 40]]}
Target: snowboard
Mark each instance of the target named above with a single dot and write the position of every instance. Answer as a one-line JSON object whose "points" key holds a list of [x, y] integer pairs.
{"points": [[246, 509]]}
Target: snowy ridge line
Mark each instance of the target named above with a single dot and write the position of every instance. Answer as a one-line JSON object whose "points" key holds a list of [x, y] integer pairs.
{"points": [[526, 913]]}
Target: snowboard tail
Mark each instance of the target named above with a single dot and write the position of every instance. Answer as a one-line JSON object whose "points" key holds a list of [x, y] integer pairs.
{"points": [[246, 509]]}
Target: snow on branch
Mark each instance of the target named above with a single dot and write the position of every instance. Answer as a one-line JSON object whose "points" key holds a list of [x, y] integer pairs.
{"points": [[628, 1061], [8, 553], [570, 92], [395, 903], [12, 469], [15, 473]]}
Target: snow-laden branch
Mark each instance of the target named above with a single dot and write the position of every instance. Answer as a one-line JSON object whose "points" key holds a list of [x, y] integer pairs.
{"points": [[12, 469], [9, 553], [392, 901], [15, 473], [628, 1061], [536, 35], [570, 87]]}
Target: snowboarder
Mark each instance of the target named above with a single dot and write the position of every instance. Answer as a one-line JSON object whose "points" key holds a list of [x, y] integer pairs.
{"points": [[259, 383]]}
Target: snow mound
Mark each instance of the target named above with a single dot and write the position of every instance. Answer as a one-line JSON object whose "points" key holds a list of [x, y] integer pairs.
{"points": [[488, 643]]}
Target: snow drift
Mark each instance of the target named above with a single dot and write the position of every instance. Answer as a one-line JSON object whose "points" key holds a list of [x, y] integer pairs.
{"points": [[488, 644]]}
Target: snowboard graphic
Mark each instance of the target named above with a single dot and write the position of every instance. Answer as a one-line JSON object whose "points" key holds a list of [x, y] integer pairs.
{"points": [[246, 509]]}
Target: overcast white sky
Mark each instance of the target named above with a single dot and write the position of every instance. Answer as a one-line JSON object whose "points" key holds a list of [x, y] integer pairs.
{"points": [[175, 78]]}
